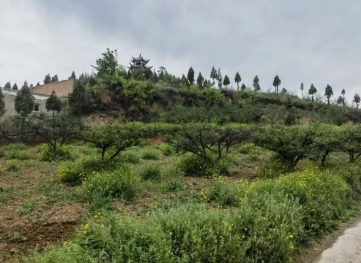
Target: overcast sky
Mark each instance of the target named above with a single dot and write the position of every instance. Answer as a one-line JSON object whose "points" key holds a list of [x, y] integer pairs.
{"points": [[310, 41]]}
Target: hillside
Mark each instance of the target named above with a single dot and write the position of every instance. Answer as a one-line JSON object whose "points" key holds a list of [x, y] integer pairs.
{"points": [[176, 172]]}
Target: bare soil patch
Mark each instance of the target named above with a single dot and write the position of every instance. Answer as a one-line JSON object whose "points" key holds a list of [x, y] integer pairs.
{"points": [[42, 226]]}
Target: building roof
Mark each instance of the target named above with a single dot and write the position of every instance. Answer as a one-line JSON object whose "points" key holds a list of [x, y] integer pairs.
{"points": [[14, 92], [61, 88], [140, 58]]}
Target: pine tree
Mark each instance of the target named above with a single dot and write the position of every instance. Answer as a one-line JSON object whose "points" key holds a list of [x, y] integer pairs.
{"points": [[161, 72], [190, 76], [276, 83], [237, 79], [312, 91], [184, 79], [7, 85], [53, 103], [339, 100], [343, 92], [55, 79], [200, 80], [213, 74], [243, 87], [328, 93], [302, 89], [15, 87], [73, 76], [2, 103], [356, 99], [219, 78], [47, 79], [226, 81], [24, 101], [154, 77], [256, 85], [129, 75]]}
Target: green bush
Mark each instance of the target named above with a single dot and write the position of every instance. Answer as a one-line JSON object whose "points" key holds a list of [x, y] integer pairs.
{"points": [[72, 173], [195, 166], [48, 154], [13, 166], [265, 229], [312, 188], [121, 183], [249, 148], [166, 150], [129, 157], [151, 172], [75, 172], [272, 168], [151, 154], [17, 155]]}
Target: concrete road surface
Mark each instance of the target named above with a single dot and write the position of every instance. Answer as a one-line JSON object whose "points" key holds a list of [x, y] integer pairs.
{"points": [[346, 249]]}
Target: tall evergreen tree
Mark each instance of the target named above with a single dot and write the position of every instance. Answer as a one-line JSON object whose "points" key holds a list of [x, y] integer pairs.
{"points": [[2, 103], [237, 79], [154, 77], [73, 76], [219, 78], [47, 79], [256, 85], [226, 81], [356, 99], [343, 92], [184, 79], [302, 87], [200, 80], [15, 87], [7, 85], [213, 74], [24, 101], [161, 72], [339, 100], [276, 83], [328, 93], [55, 79], [53, 103], [190, 76], [312, 91], [243, 87]]}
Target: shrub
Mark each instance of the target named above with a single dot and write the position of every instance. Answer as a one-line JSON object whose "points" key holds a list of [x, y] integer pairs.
{"points": [[129, 157], [50, 154], [166, 150], [249, 148], [273, 168], [13, 166], [151, 172], [312, 187], [121, 183], [15, 154], [195, 166], [262, 231], [151, 154], [72, 173], [75, 172]]}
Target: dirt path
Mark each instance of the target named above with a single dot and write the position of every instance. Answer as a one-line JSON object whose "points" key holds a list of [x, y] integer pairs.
{"points": [[319, 250], [346, 249]]}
